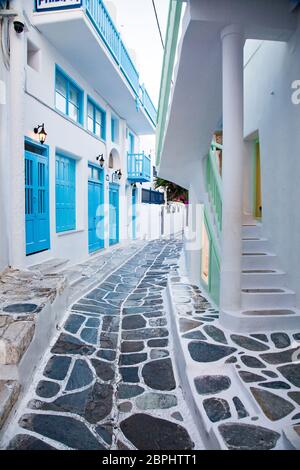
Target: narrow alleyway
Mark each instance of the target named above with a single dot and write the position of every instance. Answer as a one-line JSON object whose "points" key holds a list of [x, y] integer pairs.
{"points": [[109, 380]]}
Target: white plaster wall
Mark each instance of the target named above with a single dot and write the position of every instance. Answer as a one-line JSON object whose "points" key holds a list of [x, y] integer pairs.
{"points": [[270, 111], [75, 141], [4, 165], [150, 220]]}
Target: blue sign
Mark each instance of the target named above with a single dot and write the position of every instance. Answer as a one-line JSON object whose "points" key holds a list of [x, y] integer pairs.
{"points": [[49, 5]]}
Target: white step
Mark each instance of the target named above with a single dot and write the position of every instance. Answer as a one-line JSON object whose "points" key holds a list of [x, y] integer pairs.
{"points": [[262, 320], [255, 245], [250, 231], [51, 266], [267, 300], [259, 261], [252, 280], [9, 393]]}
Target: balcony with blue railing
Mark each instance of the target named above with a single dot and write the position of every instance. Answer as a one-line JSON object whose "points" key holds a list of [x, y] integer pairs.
{"points": [[102, 22], [138, 168]]}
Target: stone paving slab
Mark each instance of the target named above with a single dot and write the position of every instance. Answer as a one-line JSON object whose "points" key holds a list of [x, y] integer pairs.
{"points": [[246, 387], [109, 380], [110, 377], [38, 296]]}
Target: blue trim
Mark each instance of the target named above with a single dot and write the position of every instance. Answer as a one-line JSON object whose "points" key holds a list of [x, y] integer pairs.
{"points": [[138, 168], [131, 142], [114, 129], [114, 214], [37, 204], [37, 144], [62, 7], [103, 117], [69, 81], [96, 227], [65, 192], [134, 213]]}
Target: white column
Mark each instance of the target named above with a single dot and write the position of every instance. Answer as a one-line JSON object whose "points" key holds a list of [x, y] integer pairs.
{"points": [[232, 174], [16, 138]]}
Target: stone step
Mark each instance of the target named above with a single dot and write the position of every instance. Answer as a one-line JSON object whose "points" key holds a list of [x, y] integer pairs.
{"points": [[72, 275], [259, 261], [268, 298], [270, 313], [9, 393], [254, 245], [262, 320], [51, 266], [252, 231], [15, 340], [252, 280], [80, 287]]}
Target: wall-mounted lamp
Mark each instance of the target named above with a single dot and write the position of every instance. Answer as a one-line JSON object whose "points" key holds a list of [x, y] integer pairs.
{"points": [[133, 185], [101, 160], [118, 174], [40, 130]]}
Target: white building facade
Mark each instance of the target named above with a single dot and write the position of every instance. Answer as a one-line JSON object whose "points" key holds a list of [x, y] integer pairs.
{"points": [[227, 132], [65, 71]]}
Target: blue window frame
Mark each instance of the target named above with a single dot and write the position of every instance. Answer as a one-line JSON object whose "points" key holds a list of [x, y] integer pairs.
{"points": [[68, 96], [96, 119], [36, 197], [65, 193], [114, 129], [131, 143]]}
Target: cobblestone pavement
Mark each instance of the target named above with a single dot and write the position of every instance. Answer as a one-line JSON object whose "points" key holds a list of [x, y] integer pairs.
{"points": [[246, 386], [109, 381]]}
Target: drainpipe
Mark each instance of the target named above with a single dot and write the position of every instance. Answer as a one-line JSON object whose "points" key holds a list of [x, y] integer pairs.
{"points": [[16, 140], [232, 173]]}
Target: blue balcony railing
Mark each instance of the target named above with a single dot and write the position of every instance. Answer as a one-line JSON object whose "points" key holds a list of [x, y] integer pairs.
{"points": [[148, 104], [101, 20], [139, 168]]}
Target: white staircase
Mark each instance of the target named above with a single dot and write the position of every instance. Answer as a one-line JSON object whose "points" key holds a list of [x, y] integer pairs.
{"points": [[264, 284], [267, 302]]}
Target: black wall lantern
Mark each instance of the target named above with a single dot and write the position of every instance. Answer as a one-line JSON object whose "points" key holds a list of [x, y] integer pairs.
{"points": [[118, 174], [40, 130], [101, 160]]}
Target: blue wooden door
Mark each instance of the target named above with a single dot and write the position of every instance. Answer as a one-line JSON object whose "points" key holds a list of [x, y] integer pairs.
{"points": [[37, 201], [96, 209], [113, 214], [134, 191]]}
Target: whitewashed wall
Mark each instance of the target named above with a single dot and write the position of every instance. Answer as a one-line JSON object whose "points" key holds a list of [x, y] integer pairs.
{"points": [[74, 140], [151, 226], [4, 168], [270, 111]]}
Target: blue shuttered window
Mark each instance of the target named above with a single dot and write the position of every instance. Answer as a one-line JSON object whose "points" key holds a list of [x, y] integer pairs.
{"points": [[96, 119], [68, 97], [114, 130], [65, 193]]}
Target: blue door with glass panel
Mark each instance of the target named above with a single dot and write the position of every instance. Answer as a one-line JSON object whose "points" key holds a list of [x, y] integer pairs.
{"points": [[96, 209], [36, 198], [113, 214], [134, 191]]}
